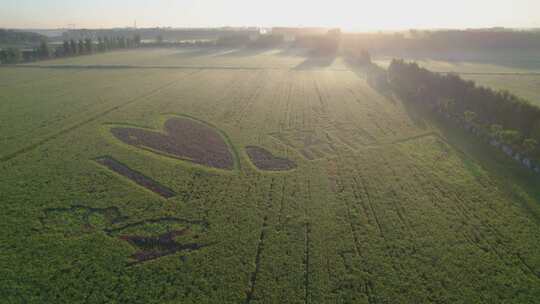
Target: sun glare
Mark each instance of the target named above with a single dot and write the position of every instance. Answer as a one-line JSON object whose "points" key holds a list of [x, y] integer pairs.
{"points": [[356, 15]]}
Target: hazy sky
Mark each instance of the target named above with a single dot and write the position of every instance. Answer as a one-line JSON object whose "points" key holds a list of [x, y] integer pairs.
{"points": [[353, 14]]}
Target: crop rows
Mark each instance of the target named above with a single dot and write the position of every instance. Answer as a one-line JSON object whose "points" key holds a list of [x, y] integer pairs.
{"points": [[339, 195]]}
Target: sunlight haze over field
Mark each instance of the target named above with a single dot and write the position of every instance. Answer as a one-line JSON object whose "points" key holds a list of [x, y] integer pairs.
{"points": [[354, 15], [269, 152]]}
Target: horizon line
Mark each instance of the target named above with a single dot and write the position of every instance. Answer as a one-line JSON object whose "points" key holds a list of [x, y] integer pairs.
{"points": [[345, 29]]}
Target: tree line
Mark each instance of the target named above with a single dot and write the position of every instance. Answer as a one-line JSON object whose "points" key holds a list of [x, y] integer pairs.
{"points": [[447, 40], [69, 48], [11, 37], [86, 46], [498, 116], [168, 34]]}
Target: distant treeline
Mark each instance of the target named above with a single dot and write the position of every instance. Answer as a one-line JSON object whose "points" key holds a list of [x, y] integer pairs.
{"points": [[166, 34], [101, 44], [321, 44], [326, 43], [500, 117], [449, 40], [321, 40], [333, 40], [68, 48], [12, 41], [11, 37]]}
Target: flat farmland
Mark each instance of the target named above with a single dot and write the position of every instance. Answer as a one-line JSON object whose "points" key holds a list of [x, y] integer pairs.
{"points": [[265, 177], [231, 58]]}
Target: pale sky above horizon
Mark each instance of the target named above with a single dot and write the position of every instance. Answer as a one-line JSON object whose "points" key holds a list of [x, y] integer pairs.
{"points": [[352, 15]]}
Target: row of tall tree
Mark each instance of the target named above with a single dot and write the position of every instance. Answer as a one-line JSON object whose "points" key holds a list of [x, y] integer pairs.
{"points": [[13, 55], [86, 46], [10, 55], [69, 48], [498, 114], [13, 37], [443, 41]]}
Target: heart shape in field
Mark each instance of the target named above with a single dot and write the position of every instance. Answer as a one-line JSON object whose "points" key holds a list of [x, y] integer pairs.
{"points": [[265, 160], [185, 139]]}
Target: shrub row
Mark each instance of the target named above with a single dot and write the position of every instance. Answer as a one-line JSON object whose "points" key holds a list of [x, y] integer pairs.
{"points": [[499, 117], [68, 48]]}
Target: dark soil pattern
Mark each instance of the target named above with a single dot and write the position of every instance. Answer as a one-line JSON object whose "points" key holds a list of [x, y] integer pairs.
{"points": [[264, 160], [156, 238], [185, 139], [135, 176], [150, 248], [152, 238]]}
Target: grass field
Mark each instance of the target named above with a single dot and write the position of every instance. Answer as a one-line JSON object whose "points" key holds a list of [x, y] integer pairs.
{"points": [[525, 86], [247, 58], [382, 204]]}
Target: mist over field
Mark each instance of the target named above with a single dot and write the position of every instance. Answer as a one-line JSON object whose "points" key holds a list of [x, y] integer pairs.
{"points": [[242, 152]]}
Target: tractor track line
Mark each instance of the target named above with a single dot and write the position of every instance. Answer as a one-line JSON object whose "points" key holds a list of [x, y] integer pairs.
{"points": [[166, 67], [260, 247], [307, 244]]}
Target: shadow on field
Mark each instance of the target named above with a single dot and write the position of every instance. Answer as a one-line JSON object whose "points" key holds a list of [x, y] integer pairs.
{"points": [[245, 52], [415, 116], [292, 52], [518, 184], [200, 52], [315, 62], [359, 70], [371, 73]]}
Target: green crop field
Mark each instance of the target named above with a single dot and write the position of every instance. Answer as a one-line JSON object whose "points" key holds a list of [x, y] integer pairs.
{"points": [[126, 179], [203, 58]]}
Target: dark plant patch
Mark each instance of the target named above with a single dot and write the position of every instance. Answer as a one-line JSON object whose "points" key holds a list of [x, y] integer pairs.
{"points": [[135, 176], [150, 248], [185, 139], [160, 237], [265, 160], [152, 238]]}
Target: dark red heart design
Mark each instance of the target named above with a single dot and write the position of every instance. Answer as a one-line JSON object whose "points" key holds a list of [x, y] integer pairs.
{"points": [[185, 139], [265, 160]]}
